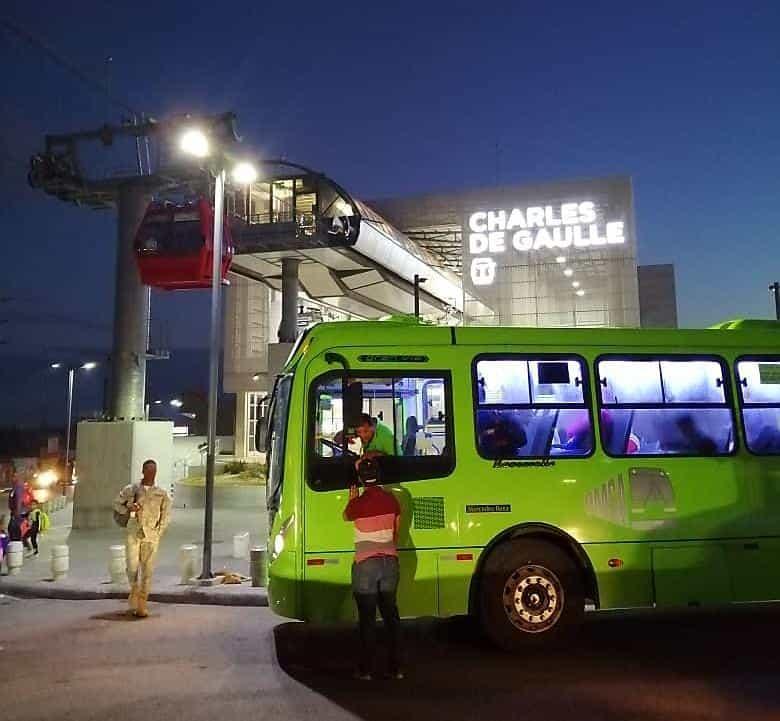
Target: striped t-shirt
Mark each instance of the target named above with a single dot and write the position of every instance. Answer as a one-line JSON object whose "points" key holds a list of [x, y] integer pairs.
{"points": [[374, 514]]}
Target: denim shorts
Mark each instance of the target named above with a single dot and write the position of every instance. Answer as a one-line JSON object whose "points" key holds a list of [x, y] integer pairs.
{"points": [[378, 574]]}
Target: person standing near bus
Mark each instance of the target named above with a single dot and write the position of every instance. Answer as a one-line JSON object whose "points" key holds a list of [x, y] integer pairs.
{"points": [[375, 573], [147, 508]]}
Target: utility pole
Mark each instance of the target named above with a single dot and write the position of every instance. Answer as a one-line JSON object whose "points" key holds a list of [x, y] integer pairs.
{"points": [[774, 288]]}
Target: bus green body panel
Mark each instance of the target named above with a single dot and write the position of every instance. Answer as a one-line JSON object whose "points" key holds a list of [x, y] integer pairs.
{"points": [[669, 530]]}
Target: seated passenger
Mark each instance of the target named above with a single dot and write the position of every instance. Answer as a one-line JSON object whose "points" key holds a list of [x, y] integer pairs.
{"points": [[501, 435], [579, 440], [409, 443], [767, 441], [694, 440]]}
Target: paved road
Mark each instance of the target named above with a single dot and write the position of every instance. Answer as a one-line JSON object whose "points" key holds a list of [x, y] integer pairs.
{"points": [[85, 660]]}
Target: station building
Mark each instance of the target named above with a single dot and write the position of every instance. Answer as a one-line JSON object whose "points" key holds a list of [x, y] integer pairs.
{"points": [[553, 254]]}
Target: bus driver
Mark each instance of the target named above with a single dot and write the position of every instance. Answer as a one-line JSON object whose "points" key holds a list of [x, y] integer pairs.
{"points": [[376, 438]]}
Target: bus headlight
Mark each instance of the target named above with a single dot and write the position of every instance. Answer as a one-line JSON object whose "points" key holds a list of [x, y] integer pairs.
{"points": [[279, 537], [278, 544]]}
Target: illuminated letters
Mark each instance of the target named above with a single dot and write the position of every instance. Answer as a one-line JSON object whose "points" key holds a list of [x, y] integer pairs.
{"points": [[554, 227], [549, 217], [516, 219], [478, 243], [535, 217], [496, 242], [496, 220], [615, 232], [569, 213], [477, 221], [543, 239], [521, 240], [587, 212]]}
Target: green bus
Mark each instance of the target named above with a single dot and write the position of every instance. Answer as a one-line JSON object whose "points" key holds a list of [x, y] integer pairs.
{"points": [[539, 471]]}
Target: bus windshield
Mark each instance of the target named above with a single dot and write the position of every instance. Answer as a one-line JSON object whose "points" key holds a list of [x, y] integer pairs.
{"points": [[280, 404]]}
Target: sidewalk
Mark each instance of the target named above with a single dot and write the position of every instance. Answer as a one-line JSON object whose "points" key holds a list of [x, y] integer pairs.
{"points": [[89, 558]]}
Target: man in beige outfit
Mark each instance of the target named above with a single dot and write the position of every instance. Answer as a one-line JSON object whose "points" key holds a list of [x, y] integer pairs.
{"points": [[149, 510]]}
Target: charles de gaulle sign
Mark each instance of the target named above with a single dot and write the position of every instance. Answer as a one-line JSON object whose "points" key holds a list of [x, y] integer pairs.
{"points": [[507, 234]]}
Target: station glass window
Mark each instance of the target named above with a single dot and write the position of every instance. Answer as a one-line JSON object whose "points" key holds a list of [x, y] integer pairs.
{"points": [[758, 380], [409, 419], [256, 411], [532, 407], [652, 406]]}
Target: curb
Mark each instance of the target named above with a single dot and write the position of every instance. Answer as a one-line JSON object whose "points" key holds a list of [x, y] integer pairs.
{"points": [[190, 596]]}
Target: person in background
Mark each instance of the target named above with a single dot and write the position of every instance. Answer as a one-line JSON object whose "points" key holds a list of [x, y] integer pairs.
{"points": [[148, 509], [20, 501], [375, 573], [39, 522], [4, 541]]}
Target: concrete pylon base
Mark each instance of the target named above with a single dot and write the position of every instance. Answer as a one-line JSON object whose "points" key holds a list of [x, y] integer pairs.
{"points": [[109, 456]]}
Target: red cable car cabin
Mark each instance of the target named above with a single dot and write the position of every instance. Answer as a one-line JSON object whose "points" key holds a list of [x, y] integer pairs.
{"points": [[174, 245]]}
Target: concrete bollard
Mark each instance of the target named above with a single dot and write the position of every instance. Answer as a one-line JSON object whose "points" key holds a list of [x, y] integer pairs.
{"points": [[15, 557], [188, 562], [241, 545], [257, 566], [117, 564], [60, 562]]}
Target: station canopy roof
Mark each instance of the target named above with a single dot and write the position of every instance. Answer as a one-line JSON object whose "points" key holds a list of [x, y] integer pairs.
{"points": [[351, 257]]}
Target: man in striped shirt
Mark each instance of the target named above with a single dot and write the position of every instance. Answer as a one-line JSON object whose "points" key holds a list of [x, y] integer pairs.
{"points": [[376, 515]]}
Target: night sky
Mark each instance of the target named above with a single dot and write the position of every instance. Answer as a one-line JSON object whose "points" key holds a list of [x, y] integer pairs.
{"points": [[392, 99]]}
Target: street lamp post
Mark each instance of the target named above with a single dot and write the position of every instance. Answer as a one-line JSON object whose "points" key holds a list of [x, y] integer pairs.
{"points": [[71, 383], [195, 143], [214, 349]]}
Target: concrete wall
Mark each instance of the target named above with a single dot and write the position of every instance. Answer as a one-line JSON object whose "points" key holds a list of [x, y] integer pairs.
{"points": [[247, 498], [657, 296], [187, 455], [109, 456]]}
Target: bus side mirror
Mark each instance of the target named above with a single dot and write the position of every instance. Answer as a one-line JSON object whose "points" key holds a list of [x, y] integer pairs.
{"points": [[353, 403], [261, 435]]}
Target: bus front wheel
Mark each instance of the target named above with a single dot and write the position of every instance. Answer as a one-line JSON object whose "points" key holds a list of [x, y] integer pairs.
{"points": [[531, 592]]}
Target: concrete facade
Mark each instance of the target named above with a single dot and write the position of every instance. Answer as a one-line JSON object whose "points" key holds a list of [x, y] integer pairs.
{"points": [[657, 296], [110, 455]]}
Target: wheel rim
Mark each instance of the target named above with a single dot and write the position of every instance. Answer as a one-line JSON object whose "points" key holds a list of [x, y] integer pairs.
{"points": [[533, 599]]}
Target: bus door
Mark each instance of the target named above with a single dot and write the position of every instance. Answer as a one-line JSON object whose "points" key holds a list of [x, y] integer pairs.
{"points": [[409, 413]]}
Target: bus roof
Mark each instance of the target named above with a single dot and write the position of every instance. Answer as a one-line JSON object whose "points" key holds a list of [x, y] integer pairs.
{"points": [[749, 334]]}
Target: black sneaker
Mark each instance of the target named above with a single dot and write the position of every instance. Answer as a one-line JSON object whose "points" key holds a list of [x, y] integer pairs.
{"points": [[363, 675], [396, 675]]}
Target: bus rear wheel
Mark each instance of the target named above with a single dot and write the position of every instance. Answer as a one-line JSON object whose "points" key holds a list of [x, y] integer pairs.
{"points": [[531, 593]]}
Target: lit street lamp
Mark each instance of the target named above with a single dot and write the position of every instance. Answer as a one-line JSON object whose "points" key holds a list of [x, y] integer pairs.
{"points": [[88, 366], [194, 142]]}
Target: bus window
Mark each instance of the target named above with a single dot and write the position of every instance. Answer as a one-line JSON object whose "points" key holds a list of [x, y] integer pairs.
{"points": [[664, 406], [532, 408], [759, 389], [409, 424], [276, 441]]}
